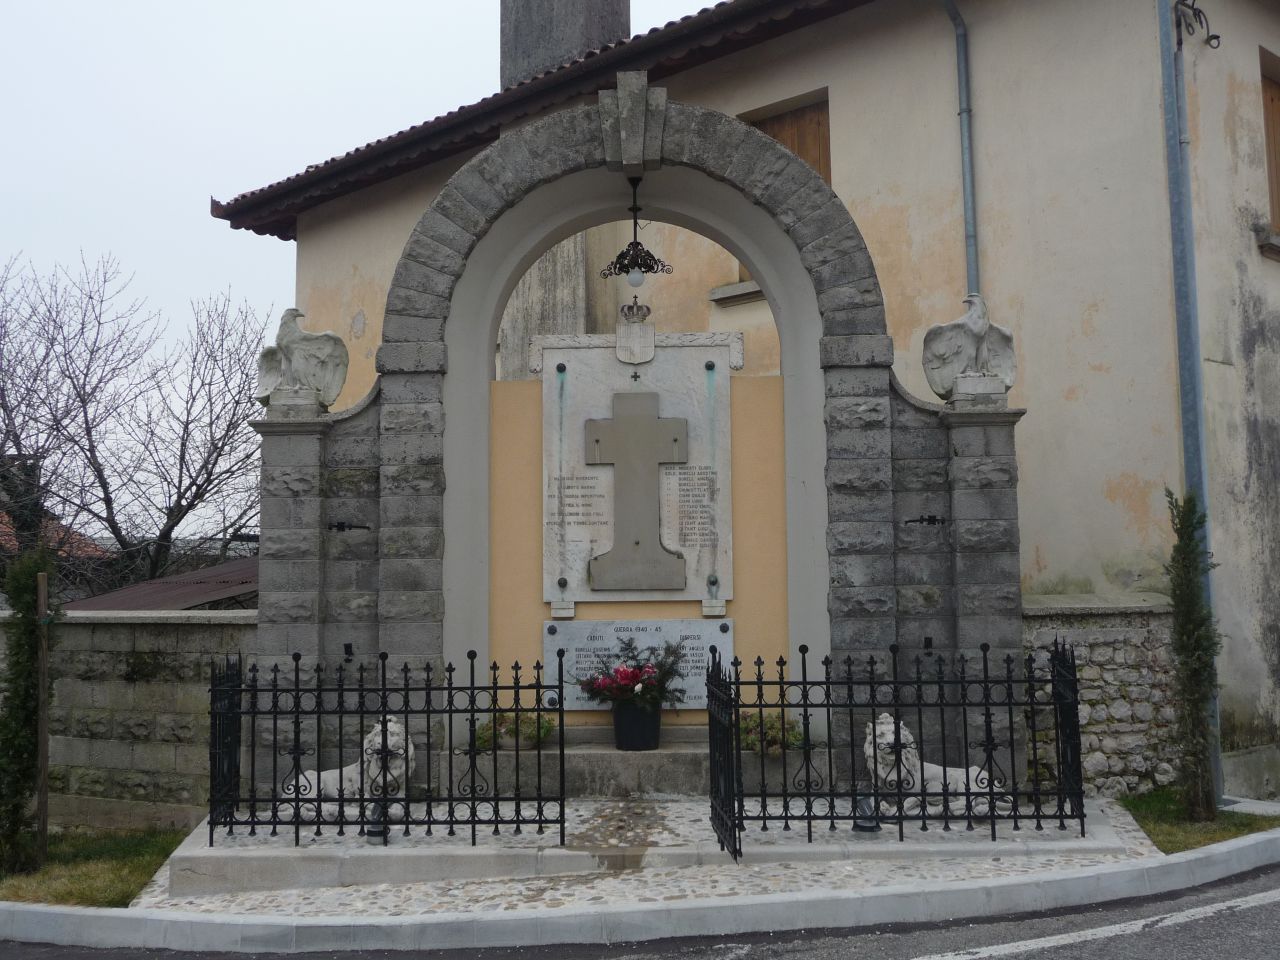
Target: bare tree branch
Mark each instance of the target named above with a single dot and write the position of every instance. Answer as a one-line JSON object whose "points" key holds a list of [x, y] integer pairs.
{"points": [[146, 460]]}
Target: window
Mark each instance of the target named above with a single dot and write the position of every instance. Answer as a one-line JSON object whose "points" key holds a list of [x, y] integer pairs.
{"points": [[1271, 118], [806, 132]]}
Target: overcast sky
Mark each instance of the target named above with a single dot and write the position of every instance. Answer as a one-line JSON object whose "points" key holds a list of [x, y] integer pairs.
{"points": [[122, 118]]}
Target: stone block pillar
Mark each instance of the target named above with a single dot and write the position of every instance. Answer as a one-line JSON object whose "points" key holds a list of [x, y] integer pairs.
{"points": [[411, 534], [291, 549], [860, 500], [983, 475]]}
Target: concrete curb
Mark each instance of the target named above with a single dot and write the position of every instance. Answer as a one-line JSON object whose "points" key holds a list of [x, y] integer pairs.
{"points": [[917, 903]]}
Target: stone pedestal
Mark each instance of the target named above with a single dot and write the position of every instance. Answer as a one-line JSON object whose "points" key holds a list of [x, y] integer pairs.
{"points": [[983, 478], [977, 388], [291, 559]]}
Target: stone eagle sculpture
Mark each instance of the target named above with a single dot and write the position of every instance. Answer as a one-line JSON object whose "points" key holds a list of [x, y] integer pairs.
{"points": [[316, 361], [970, 346]]}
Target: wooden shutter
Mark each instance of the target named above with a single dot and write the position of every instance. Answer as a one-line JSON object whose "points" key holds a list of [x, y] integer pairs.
{"points": [[1271, 114], [806, 132]]}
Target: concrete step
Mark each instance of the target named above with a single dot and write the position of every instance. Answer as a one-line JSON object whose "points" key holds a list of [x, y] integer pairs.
{"points": [[679, 768], [603, 735]]}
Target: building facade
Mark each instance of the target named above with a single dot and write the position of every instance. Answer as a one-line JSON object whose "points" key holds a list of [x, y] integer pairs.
{"points": [[1076, 233]]}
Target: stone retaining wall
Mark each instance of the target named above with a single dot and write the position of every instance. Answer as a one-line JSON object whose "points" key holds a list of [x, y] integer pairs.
{"points": [[1125, 668], [129, 719]]}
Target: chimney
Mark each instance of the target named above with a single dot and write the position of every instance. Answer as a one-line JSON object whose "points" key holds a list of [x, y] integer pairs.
{"points": [[540, 34]]}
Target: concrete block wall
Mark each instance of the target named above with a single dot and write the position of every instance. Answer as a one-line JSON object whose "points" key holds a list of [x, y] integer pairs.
{"points": [[129, 717]]}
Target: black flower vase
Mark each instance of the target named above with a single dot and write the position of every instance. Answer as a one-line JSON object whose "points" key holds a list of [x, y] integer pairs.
{"points": [[636, 726]]}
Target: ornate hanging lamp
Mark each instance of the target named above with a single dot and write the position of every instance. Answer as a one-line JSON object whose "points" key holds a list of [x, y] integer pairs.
{"points": [[634, 261]]}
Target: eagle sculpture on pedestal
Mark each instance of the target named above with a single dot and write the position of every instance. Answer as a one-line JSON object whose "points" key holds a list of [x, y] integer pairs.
{"points": [[316, 361], [970, 346]]}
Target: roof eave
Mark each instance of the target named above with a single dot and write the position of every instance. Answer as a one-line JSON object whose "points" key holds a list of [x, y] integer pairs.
{"points": [[717, 32]]}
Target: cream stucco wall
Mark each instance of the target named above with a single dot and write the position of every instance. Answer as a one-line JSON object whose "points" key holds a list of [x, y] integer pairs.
{"points": [[347, 252], [1239, 305], [759, 606], [1073, 226], [1072, 219]]}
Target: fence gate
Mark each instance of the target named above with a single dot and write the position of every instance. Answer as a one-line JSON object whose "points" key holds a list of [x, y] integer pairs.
{"points": [[726, 771]]}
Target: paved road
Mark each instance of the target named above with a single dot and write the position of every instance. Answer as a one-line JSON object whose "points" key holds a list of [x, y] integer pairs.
{"points": [[1234, 920]]}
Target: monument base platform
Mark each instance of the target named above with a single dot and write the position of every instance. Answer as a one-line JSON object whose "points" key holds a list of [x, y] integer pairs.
{"points": [[602, 837]]}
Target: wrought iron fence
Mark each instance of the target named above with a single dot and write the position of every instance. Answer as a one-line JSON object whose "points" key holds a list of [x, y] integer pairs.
{"points": [[378, 748], [876, 741]]}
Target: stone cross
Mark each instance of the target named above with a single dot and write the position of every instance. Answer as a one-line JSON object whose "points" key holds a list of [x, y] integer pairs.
{"points": [[637, 442]]}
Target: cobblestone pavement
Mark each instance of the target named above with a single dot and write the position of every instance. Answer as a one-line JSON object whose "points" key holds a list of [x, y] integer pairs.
{"points": [[972, 857]]}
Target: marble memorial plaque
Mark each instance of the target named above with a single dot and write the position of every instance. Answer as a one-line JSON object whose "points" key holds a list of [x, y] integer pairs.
{"points": [[592, 645], [587, 395]]}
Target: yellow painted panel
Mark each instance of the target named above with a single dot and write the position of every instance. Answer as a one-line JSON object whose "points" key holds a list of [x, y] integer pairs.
{"points": [[516, 608]]}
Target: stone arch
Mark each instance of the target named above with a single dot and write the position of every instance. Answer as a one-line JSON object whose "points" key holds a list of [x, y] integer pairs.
{"points": [[631, 130]]}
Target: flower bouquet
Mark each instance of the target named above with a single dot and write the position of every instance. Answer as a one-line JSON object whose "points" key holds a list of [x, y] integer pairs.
{"points": [[637, 687]]}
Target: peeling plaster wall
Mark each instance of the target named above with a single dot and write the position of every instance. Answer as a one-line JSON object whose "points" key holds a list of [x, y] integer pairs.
{"points": [[1239, 293], [347, 252], [1073, 227]]}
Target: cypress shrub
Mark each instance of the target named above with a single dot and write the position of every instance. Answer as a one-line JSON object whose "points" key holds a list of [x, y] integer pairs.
{"points": [[19, 700], [1195, 646]]}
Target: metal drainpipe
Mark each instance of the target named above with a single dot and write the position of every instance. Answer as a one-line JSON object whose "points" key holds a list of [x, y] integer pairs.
{"points": [[966, 145], [1177, 144]]}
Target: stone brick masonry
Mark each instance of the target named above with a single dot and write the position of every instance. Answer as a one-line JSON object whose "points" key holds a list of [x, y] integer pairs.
{"points": [[1125, 669], [129, 720]]}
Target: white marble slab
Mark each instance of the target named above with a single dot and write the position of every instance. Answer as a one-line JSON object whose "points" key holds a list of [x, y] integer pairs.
{"points": [[695, 496], [592, 645]]}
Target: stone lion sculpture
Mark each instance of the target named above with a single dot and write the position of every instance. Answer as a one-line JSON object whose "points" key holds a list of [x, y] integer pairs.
{"points": [[312, 785], [897, 765]]}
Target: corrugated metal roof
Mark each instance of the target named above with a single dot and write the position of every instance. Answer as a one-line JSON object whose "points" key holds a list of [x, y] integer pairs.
{"points": [[712, 32], [182, 591]]}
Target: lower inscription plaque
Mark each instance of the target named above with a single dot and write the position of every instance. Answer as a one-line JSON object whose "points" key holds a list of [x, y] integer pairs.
{"points": [[592, 645]]}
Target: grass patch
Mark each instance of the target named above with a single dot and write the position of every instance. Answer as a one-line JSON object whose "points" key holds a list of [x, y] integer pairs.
{"points": [[1160, 814], [102, 868]]}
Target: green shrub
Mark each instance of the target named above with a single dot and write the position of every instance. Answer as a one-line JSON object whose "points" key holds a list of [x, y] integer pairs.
{"points": [[1195, 646], [774, 733], [533, 729], [19, 702]]}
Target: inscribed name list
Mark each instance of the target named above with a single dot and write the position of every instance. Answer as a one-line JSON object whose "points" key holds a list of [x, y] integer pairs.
{"points": [[591, 646], [580, 506]]}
